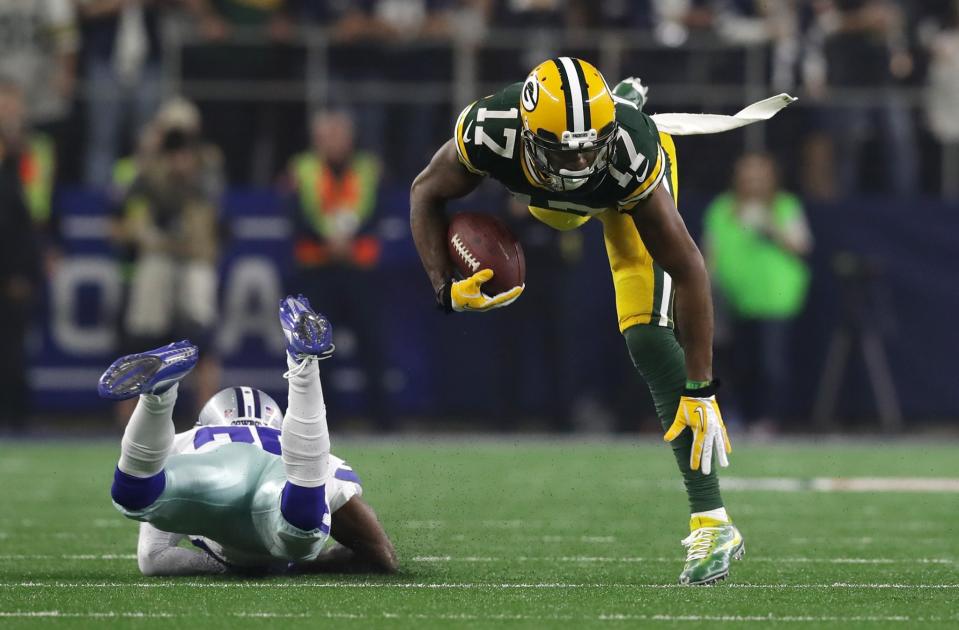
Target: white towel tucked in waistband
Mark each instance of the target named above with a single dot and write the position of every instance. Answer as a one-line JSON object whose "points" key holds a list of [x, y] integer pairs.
{"points": [[695, 124]]}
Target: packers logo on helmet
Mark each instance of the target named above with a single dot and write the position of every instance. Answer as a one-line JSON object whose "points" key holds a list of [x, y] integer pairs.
{"points": [[530, 93], [569, 123]]}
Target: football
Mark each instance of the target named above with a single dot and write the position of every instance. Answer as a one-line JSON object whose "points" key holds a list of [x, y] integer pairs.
{"points": [[480, 241]]}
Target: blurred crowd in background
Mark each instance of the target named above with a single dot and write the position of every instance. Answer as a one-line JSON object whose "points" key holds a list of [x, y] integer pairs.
{"points": [[160, 106], [94, 72]]}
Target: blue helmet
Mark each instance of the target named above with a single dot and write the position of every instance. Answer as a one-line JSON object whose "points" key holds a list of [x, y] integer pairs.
{"points": [[241, 406]]}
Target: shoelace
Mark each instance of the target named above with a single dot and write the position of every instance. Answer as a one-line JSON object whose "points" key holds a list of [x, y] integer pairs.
{"points": [[699, 542], [305, 360], [302, 365]]}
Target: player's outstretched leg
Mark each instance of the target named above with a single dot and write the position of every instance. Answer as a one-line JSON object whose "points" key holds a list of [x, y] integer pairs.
{"points": [[305, 438], [148, 437], [150, 372], [713, 540]]}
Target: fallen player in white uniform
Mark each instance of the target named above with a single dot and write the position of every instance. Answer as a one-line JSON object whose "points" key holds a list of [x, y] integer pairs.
{"points": [[254, 490]]}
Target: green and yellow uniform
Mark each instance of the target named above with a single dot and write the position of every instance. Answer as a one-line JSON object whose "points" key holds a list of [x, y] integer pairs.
{"points": [[487, 137], [572, 149], [566, 104]]}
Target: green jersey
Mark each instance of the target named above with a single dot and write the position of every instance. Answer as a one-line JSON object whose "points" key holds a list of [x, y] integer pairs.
{"points": [[488, 142]]}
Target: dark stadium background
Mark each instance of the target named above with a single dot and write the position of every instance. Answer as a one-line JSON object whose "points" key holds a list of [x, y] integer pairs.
{"points": [[515, 461], [255, 91]]}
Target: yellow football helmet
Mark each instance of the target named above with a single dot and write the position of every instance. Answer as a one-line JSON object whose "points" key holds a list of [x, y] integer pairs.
{"points": [[569, 123]]}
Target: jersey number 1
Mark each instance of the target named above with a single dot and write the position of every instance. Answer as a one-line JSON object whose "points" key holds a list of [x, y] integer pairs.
{"points": [[480, 136]]}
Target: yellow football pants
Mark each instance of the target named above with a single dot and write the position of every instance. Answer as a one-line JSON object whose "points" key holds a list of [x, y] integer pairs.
{"points": [[644, 292]]}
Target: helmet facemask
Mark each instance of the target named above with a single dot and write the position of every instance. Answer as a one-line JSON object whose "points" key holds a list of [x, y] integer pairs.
{"points": [[567, 163]]}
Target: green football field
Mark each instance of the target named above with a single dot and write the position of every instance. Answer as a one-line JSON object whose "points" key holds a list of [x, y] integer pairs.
{"points": [[530, 534]]}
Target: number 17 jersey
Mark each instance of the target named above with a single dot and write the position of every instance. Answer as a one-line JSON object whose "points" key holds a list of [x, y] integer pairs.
{"points": [[488, 138]]}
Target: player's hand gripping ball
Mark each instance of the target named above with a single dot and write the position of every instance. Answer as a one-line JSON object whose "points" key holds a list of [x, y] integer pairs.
{"points": [[489, 259]]}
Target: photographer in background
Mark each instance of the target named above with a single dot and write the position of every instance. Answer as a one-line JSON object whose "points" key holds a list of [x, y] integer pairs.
{"points": [[169, 225]]}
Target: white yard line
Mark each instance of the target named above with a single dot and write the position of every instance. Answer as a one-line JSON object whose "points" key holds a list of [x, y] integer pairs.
{"points": [[81, 556], [768, 618], [460, 585], [630, 559], [156, 615], [843, 484], [773, 618], [553, 559]]}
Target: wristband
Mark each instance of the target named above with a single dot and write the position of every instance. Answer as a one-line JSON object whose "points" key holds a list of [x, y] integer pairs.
{"points": [[701, 389], [444, 297]]}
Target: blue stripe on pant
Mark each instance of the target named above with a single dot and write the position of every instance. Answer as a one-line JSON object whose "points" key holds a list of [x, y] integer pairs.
{"points": [[344, 474]]}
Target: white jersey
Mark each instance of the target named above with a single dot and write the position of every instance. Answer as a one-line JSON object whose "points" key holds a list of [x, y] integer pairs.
{"points": [[342, 485]]}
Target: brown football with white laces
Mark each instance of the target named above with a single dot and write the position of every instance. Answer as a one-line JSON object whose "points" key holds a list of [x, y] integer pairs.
{"points": [[481, 241]]}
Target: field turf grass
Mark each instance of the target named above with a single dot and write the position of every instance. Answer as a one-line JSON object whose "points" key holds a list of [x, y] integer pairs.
{"points": [[516, 534]]}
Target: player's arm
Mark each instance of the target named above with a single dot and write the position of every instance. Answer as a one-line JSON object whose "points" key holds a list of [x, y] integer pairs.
{"points": [[665, 235], [670, 244], [443, 179], [365, 546], [446, 178]]}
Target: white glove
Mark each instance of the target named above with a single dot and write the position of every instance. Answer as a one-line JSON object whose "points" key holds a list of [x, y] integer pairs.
{"points": [[702, 416]]}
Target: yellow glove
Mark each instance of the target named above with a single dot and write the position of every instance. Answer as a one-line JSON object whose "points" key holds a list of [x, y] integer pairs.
{"points": [[467, 295], [701, 415]]}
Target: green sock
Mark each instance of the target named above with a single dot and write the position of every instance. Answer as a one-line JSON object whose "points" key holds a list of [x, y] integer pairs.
{"points": [[661, 362]]}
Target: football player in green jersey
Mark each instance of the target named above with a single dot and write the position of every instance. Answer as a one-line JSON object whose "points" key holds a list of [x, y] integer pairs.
{"points": [[572, 149]]}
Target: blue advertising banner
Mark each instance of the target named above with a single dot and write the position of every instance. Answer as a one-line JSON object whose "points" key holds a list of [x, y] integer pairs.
{"points": [[79, 333], [557, 345]]}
